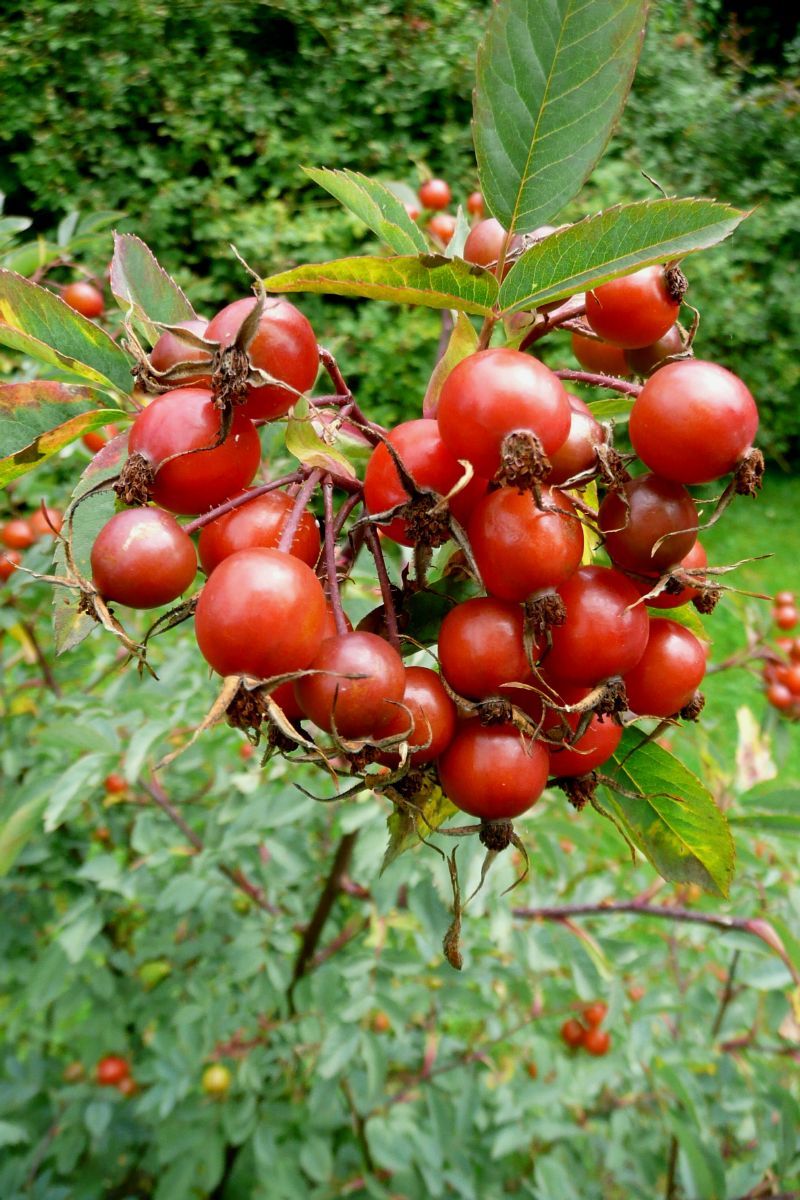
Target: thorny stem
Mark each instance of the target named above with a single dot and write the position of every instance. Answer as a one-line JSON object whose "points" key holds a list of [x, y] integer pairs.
{"points": [[238, 501], [330, 557], [368, 428], [327, 897], [296, 515], [572, 308], [603, 381], [234, 874], [373, 542], [344, 512]]}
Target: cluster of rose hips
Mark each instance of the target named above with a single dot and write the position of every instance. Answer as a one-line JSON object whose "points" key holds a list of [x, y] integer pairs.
{"points": [[434, 197], [538, 675], [781, 671], [587, 1035], [20, 533]]}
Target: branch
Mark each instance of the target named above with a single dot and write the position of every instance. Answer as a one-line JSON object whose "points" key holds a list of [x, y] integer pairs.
{"points": [[374, 543], [325, 903], [233, 874], [603, 381], [238, 501], [368, 428], [47, 672], [296, 515], [330, 558], [572, 308]]}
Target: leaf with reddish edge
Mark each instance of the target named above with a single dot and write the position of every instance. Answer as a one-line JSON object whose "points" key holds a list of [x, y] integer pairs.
{"points": [[39, 418], [139, 282], [668, 814], [463, 342], [303, 441], [38, 323], [85, 521], [430, 281]]}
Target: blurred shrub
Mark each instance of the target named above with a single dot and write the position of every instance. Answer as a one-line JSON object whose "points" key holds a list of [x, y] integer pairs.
{"points": [[194, 118]]}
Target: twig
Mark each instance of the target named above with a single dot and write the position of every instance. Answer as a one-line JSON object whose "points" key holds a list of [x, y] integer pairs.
{"points": [[234, 874], [603, 381], [562, 911], [296, 515], [330, 558], [47, 672], [238, 501], [572, 308], [373, 541], [672, 1168], [368, 428], [325, 903], [727, 995], [348, 934]]}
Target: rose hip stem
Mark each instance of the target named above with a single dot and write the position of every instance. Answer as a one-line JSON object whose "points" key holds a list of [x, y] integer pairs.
{"points": [[330, 557], [604, 381], [295, 516], [238, 501], [373, 541]]}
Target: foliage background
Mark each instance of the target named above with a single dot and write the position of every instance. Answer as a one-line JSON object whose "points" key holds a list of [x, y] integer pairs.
{"points": [[117, 937]]}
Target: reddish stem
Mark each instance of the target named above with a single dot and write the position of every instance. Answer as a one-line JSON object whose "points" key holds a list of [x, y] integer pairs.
{"points": [[604, 381], [368, 428], [569, 310], [330, 558], [373, 541], [296, 515], [238, 501]]}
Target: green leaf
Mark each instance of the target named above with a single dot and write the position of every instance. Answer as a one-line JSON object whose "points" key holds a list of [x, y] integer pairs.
{"points": [[18, 828], [406, 826], [40, 324], [428, 607], [70, 625], [38, 419], [669, 815], [613, 243], [769, 810], [140, 283], [303, 441], [463, 342], [431, 281], [552, 81], [375, 205], [615, 408]]}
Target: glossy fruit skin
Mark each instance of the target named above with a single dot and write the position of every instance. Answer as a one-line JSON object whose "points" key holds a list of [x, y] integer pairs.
{"points": [[170, 350], [572, 1032], [668, 673], [696, 557], [216, 1080], [260, 522], [84, 298], [142, 558], [783, 598], [577, 454], [594, 1014], [185, 419], [111, 1070], [603, 635], [519, 548], [475, 204], [442, 226], [647, 358], [655, 508], [284, 345], [115, 784], [283, 694], [481, 647], [786, 616], [594, 747], [693, 421], [420, 448], [496, 392], [17, 534], [358, 707], [9, 561], [597, 1042], [435, 194], [46, 522], [433, 714], [485, 242], [633, 311], [601, 358], [252, 594], [492, 772], [95, 439]]}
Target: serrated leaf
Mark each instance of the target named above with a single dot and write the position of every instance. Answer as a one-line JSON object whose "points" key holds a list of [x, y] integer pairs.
{"points": [[613, 243], [39, 418], [463, 342], [139, 282], [430, 281], [70, 625], [552, 81], [303, 441], [38, 323], [669, 815], [375, 205], [407, 826]]}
